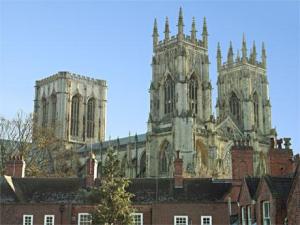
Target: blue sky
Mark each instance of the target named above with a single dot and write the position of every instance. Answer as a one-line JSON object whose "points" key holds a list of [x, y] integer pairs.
{"points": [[112, 41]]}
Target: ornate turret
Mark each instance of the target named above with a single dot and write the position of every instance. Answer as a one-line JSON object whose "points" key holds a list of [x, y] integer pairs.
{"points": [[167, 30], [219, 57], [205, 34], [263, 56], [193, 31], [180, 25], [244, 50], [155, 33], [230, 55]]}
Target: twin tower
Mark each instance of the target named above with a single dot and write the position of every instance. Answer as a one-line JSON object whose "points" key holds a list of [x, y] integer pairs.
{"points": [[181, 116]]}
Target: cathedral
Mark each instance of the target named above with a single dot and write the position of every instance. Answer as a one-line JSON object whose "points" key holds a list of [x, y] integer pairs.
{"points": [[181, 116]]}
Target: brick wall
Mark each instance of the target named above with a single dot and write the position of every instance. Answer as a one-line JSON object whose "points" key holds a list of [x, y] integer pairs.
{"points": [[277, 206], [281, 162], [242, 161]]}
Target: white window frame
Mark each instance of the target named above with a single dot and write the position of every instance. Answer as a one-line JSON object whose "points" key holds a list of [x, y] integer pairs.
{"points": [[84, 214], [139, 214], [185, 217], [249, 219], [49, 216], [264, 213], [26, 215], [244, 220], [206, 217]]}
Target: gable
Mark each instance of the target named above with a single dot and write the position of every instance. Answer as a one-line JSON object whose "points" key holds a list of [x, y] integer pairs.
{"points": [[263, 192], [228, 129], [244, 196]]}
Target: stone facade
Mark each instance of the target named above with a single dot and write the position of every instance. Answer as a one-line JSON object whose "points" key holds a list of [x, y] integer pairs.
{"points": [[74, 105], [181, 116]]}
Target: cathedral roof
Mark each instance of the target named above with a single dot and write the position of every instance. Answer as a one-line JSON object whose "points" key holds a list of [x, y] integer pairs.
{"points": [[113, 143]]}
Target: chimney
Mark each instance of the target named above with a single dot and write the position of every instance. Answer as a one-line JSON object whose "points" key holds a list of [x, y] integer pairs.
{"points": [[178, 171], [15, 166], [91, 170]]}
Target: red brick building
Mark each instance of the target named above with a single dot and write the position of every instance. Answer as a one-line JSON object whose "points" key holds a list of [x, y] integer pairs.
{"points": [[178, 200]]}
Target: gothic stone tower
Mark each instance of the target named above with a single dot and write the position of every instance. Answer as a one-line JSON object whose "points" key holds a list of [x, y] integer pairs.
{"points": [[180, 98], [243, 96], [243, 91], [74, 105]]}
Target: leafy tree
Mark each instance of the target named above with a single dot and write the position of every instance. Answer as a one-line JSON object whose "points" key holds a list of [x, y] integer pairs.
{"points": [[114, 205]]}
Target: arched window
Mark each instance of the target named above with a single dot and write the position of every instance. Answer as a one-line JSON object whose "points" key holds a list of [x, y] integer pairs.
{"points": [[75, 116], [143, 165], [163, 164], [255, 107], [234, 104], [53, 106], [193, 92], [169, 95], [44, 112], [91, 118], [124, 166]]}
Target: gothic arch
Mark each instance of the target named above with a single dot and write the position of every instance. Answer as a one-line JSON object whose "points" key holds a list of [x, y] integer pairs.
{"points": [[143, 164], [45, 108], [53, 108], [169, 95], [262, 166], [202, 153], [91, 107], [256, 108], [163, 157], [235, 106], [75, 110], [193, 87]]}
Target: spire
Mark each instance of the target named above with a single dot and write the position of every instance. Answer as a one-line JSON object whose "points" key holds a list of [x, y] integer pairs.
{"points": [[155, 33], [204, 34], [167, 29], [219, 57], [254, 53], [244, 49], [263, 56], [230, 55], [180, 25], [193, 31]]}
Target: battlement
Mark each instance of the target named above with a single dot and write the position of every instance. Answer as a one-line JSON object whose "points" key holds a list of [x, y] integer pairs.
{"points": [[69, 75]]}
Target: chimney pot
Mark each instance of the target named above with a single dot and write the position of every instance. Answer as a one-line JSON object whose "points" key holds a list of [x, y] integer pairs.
{"points": [[15, 166]]}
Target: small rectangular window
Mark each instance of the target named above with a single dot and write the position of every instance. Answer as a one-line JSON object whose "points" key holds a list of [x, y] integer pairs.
{"points": [[243, 216], [84, 219], [206, 220], [249, 215], [137, 218], [49, 220], [27, 219], [180, 220], [266, 213]]}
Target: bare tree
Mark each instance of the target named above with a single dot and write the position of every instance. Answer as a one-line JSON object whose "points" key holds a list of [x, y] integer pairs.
{"points": [[45, 154]]}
